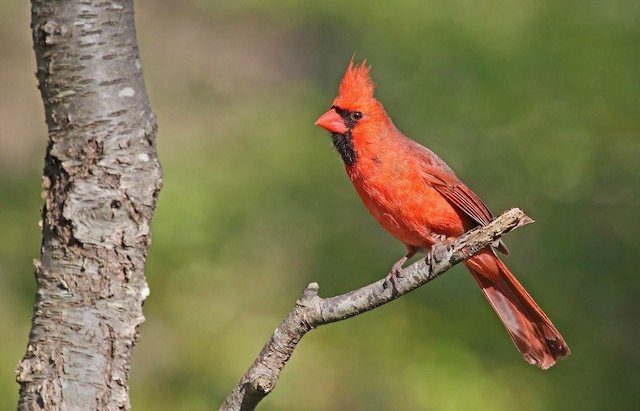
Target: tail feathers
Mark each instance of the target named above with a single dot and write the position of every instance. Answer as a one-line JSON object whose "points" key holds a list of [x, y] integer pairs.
{"points": [[537, 339]]}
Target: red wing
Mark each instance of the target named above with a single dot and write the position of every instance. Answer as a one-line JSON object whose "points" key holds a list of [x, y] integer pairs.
{"points": [[438, 174], [460, 195]]}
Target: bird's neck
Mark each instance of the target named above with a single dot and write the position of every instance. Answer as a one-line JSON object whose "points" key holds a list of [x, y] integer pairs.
{"points": [[373, 146]]}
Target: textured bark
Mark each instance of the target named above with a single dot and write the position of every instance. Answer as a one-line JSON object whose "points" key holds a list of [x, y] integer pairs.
{"points": [[100, 186], [311, 311]]}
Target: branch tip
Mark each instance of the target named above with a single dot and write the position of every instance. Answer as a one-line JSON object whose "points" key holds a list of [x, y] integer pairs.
{"points": [[525, 220]]}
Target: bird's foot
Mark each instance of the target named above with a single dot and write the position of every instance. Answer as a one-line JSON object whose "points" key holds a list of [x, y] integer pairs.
{"points": [[440, 238], [396, 270], [392, 278], [437, 253]]}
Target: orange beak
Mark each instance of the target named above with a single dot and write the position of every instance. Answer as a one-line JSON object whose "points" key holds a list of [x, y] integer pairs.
{"points": [[332, 121]]}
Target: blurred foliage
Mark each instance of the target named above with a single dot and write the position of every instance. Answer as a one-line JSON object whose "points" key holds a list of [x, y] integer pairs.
{"points": [[533, 103]]}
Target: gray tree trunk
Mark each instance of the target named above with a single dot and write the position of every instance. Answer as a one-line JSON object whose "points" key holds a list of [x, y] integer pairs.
{"points": [[100, 185]]}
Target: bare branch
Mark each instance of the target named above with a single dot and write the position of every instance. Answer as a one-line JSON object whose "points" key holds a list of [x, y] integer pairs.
{"points": [[312, 311]]}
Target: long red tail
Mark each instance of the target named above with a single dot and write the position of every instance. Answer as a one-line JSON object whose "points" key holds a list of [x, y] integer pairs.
{"points": [[537, 339]]}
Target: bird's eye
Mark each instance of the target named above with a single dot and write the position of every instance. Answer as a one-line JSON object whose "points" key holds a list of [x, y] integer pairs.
{"points": [[356, 115]]}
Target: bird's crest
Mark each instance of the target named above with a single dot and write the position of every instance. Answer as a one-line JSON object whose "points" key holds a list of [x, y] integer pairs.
{"points": [[356, 88]]}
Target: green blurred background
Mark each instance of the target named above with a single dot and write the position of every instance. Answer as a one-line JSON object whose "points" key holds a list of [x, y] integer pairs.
{"points": [[534, 103]]}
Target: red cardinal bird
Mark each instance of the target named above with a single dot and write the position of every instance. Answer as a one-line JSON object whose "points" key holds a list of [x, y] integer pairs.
{"points": [[417, 198]]}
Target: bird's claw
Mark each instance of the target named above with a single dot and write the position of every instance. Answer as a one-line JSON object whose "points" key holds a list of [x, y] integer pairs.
{"points": [[431, 260], [392, 277], [441, 238], [436, 254], [396, 270]]}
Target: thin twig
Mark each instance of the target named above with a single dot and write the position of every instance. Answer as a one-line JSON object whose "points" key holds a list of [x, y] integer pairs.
{"points": [[312, 311]]}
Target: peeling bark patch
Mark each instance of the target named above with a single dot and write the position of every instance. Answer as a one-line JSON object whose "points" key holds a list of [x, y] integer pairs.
{"points": [[51, 33]]}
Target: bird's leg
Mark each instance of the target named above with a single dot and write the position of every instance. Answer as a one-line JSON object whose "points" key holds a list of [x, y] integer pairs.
{"points": [[396, 270]]}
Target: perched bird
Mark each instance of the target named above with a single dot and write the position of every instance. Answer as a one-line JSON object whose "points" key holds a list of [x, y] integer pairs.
{"points": [[419, 200]]}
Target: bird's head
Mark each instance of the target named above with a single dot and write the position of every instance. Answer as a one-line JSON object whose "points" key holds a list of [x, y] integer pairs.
{"points": [[355, 113]]}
